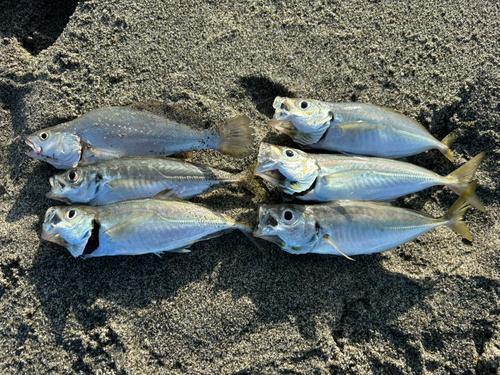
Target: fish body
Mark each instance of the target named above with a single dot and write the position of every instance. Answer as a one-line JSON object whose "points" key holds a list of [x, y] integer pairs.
{"points": [[133, 227], [136, 177], [354, 128], [111, 133], [351, 227], [325, 177]]}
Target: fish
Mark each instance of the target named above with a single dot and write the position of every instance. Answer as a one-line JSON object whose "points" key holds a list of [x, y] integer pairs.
{"points": [[134, 227], [354, 128], [115, 132], [134, 177], [348, 227], [327, 177]]}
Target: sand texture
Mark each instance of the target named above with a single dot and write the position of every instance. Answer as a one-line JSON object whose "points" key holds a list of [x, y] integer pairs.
{"points": [[430, 306]]}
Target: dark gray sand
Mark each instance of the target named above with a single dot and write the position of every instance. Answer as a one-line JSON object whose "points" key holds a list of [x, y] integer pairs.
{"points": [[430, 306]]}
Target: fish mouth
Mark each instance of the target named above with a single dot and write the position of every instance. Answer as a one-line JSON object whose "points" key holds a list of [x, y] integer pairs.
{"points": [[266, 228], [267, 221], [268, 225], [285, 127], [50, 224], [35, 150], [57, 189], [266, 164], [274, 176], [282, 107]]}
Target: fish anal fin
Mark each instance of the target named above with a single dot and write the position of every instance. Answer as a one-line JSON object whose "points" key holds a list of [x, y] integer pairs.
{"points": [[328, 239], [180, 251]]}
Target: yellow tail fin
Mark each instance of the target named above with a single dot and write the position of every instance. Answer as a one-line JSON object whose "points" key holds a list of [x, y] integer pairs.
{"points": [[456, 212], [463, 177], [448, 141]]}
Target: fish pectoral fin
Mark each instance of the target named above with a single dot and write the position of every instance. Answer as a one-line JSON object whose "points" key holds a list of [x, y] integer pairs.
{"points": [[91, 155], [128, 229], [328, 239]]}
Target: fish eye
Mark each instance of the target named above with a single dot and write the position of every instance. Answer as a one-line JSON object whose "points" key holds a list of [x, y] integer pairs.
{"points": [[72, 175], [71, 214], [288, 217], [290, 153], [304, 104], [43, 136]]}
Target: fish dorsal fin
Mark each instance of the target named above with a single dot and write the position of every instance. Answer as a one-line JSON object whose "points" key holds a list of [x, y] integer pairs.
{"points": [[328, 239], [170, 112]]}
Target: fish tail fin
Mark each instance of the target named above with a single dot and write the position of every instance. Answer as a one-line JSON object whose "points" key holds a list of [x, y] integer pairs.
{"points": [[463, 177], [448, 141], [236, 136], [456, 212]]}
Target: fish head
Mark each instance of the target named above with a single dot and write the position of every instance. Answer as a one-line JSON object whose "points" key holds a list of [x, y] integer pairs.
{"points": [[289, 226], [305, 120], [62, 150], [75, 185], [292, 170], [70, 227]]}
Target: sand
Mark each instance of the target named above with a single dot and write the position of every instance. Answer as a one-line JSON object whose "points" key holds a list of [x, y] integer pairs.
{"points": [[430, 306]]}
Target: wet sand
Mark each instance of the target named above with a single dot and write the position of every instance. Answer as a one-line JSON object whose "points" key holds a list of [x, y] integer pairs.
{"points": [[430, 306]]}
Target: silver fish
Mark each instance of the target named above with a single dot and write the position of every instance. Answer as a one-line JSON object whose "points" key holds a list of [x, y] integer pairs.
{"points": [[324, 177], [354, 128], [352, 227], [137, 177], [134, 227], [111, 133]]}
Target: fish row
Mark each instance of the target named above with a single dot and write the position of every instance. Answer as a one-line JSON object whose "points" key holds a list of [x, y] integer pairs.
{"points": [[347, 225], [106, 150]]}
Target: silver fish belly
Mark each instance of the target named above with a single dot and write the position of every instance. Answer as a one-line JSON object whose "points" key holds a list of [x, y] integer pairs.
{"points": [[136, 177], [355, 128], [133, 227], [351, 227]]}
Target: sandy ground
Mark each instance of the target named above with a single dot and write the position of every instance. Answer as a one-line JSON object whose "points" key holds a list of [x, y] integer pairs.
{"points": [[430, 306]]}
